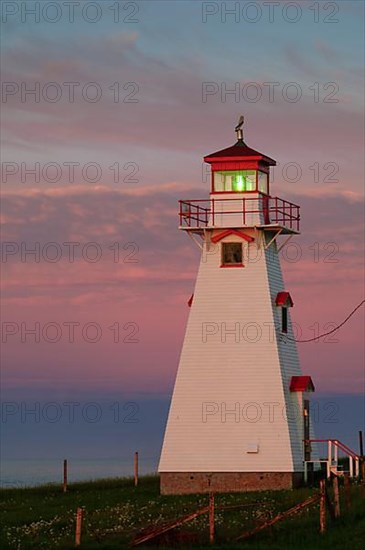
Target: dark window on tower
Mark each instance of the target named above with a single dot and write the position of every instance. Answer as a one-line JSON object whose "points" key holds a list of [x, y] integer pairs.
{"points": [[307, 445], [231, 253], [284, 319]]}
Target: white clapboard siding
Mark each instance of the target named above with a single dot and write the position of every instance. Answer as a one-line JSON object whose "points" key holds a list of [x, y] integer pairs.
{"points": [[215, 375]]}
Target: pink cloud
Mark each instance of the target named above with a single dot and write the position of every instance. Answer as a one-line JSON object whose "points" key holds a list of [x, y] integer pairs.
{"points": [[154, 291]]}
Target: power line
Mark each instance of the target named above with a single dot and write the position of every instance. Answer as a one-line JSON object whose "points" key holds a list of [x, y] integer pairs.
{"points": [[331, 331]]}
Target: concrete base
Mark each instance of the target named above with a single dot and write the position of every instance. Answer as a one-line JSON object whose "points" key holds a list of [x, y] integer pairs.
{"points": [[179, 483]]}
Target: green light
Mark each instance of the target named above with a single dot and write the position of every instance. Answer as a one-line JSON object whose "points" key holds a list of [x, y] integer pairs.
{"points": [[240, 183]]}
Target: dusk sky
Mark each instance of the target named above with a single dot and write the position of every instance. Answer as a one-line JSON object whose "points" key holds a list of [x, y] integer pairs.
{"points": [[124, 110]]}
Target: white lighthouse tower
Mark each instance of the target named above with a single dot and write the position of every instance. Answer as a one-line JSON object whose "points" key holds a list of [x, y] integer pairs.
{"points": [[240, 410]]}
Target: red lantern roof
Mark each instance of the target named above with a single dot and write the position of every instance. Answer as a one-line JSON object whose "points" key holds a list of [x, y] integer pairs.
{"points": [[301, 383], [239, 152]]}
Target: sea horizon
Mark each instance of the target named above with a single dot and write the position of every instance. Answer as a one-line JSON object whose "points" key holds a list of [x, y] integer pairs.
{"points": [[23, 472]]}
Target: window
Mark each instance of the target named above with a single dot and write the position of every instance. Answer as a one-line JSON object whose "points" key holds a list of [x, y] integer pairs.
{"points": [[284, 300], [232, 254], [284, 319], [235, 180], [307, 445], [263, 187]]}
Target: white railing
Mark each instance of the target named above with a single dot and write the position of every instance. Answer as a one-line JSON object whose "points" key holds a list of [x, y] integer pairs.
{"points": [[333, 448]]}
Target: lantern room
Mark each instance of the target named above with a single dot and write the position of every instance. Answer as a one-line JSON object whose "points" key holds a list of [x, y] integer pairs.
{"points": [[240, 181], [240, 169], [240, 194]]}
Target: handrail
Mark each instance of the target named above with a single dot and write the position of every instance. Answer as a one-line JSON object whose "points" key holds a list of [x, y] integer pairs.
{"points": [[338, 444], [274, 209], [332, 461], [345, 448], [241, 198]]}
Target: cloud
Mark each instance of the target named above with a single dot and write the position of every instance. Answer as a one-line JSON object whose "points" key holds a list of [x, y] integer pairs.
{"points": [[169, 125], [141, 224], [329, 53], [298, 61], [170, 114]]}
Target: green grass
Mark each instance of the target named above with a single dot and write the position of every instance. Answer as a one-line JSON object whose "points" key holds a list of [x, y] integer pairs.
{"points": [[115, 511]]}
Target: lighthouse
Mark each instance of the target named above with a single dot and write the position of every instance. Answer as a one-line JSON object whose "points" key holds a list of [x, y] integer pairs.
{"points": [[239, 414]]}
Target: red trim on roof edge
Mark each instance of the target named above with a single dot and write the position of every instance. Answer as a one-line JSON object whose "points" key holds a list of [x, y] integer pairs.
{"points": [[228, 232], [301, 383], [238, 151], [284, 299]]}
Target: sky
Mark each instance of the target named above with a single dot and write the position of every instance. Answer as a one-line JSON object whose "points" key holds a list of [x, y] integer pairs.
{"points": [[108, 109]]}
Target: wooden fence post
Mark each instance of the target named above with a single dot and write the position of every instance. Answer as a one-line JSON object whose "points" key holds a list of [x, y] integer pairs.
{"points": [[329, 504], [346, 480], [136, 469], [322, 506], [78, 527], [336, 495], [211, 518], [65, 476]]}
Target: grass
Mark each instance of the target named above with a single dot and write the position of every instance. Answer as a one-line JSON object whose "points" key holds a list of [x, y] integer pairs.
{"points": [[115, 511]]}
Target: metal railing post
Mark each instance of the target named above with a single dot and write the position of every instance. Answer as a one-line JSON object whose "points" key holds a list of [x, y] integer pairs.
{"points": [[291, 215], [276, 209]]}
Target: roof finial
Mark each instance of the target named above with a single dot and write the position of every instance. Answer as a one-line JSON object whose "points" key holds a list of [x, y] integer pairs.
{"points": [[238, 128]]}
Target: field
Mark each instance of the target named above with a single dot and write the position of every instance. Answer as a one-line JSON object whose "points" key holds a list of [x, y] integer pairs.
{"points": [[115, 511]]}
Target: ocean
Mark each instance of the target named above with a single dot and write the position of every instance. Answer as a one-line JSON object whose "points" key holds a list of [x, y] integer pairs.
{"points": [[37, 471], [33, 450]]}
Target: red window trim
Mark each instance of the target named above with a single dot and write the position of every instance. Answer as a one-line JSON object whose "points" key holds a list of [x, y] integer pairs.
{"points": [[228, 232], [232, 265], [256, 190], [236, 192]]}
